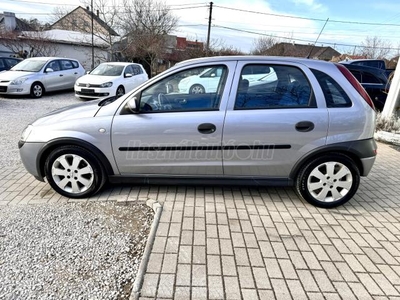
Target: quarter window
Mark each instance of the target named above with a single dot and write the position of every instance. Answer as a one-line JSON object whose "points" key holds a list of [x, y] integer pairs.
{"points": [[334, 94], [273, 86], [195, 89]]}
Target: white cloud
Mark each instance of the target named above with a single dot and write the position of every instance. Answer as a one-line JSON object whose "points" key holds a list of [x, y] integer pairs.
{"points": [[311, 4]]}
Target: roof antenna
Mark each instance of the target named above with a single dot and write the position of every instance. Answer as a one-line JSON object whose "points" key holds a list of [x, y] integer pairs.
{"points": [[312, 48]]}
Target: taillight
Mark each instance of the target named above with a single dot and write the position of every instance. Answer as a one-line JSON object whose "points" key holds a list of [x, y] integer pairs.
{"points": [[357, 85]]}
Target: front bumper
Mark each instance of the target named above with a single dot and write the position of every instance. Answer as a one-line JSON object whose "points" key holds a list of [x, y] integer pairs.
{"points": [[29, 153], [14, 90], [93, 93]]}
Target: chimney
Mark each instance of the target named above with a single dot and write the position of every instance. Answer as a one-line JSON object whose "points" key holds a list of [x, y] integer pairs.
{"points": [[9, 21], [97, 12]]}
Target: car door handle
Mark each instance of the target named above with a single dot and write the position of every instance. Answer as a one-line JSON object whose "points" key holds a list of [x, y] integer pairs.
{"points": [[206, 128], [61, 75], [76, 73], [304, 126]]}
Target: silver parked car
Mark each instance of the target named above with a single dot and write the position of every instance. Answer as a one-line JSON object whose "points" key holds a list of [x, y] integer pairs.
{"points": [[312, 127], [37, 75]]}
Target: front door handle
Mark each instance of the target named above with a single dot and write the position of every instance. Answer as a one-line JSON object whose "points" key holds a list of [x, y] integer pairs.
{"points": [[61, 75], [206, 128], [304, 126]]}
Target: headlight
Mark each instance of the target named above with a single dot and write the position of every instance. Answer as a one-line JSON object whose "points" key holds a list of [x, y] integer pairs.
{"points": [[25, 134], [18, 81], [105, 85]]}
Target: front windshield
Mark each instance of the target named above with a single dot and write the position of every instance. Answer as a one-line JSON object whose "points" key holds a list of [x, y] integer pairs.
{"points": [[30, 65], [108, 70]]}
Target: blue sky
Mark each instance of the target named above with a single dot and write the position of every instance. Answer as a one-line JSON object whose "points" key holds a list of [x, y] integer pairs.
{"points": [[240, 23]]}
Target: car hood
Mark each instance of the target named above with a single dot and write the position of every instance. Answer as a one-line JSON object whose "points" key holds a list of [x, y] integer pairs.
{"points": [[70, 113], [96, 79], [11, 75]]}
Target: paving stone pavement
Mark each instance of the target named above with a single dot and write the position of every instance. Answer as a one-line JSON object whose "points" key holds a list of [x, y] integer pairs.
{"points": [[260, 243]]}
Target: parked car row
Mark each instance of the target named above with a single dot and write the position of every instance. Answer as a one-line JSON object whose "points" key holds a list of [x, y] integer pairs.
{"points": [[38, 75], [374, 80]]}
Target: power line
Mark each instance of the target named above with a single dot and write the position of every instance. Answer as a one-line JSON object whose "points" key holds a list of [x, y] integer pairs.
{"points": [[299, 40], [310, 19]]}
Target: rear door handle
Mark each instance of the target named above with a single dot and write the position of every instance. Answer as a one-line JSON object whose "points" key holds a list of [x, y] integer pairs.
{"points": [[206, 128], [61, 75], [304, 126]]}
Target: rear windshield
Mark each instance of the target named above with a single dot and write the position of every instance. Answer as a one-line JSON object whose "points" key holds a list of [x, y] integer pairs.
{"points": [[334, 94]]}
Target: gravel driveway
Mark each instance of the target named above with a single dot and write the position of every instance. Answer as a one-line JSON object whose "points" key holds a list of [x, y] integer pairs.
{"points": [[79, 250]]}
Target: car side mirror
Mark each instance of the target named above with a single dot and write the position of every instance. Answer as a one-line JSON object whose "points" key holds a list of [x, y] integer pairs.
{"points": [[127, 75], [49, 70], [132, 105]]}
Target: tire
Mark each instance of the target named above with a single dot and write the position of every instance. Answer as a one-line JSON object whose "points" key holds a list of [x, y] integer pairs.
{"points": [[74, 172], [197, 89], [120, 91], [37, 90], [328, 181]]}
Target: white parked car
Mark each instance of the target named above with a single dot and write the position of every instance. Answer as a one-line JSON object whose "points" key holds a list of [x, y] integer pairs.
{"points": [[208, 80], [110, 79], [37, 75]]}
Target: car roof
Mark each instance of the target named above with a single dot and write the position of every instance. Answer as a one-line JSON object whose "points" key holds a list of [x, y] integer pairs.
{"points": [[216, 59], [49, 58], [118, 63]]}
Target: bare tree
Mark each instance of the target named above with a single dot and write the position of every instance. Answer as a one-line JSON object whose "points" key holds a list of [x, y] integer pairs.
{"points": [[146, 24], [375, 47], [31, 44], [263, 45]]}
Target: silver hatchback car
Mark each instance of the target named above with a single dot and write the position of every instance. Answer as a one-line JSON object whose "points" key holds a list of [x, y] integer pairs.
{"points": [[37, 75], [304, 122]]}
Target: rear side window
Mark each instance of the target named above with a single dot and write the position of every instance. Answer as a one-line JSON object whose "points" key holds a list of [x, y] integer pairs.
{"points": [[264, 86], [66, 64], [334, 94]]}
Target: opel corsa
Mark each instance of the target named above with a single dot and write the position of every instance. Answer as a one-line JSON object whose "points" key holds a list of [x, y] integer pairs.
{"points": [[310, 126]]}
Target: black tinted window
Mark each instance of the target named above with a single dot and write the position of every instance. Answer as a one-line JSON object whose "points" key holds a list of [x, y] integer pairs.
{"points": [[334, 94], [273, 86], [369, 78]]}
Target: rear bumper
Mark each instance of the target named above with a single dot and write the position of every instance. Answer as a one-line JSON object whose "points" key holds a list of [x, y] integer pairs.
{"points": [[367, 164]]}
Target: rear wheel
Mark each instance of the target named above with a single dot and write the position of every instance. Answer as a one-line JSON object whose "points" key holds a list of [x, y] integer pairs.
{"points": [[37, 90], [197, 89], [328, 181], [74, 172]]}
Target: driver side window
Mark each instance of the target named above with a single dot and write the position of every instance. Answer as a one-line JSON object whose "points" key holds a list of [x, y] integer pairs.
{"points": [[187, 90]]}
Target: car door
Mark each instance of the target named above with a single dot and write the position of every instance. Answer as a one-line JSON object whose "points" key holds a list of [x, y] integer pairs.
{"points": [[129, 81], [270, 126], [69, 74], [53, 80], [172, 133]]}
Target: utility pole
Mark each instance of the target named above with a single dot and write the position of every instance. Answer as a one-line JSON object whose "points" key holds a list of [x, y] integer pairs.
{"points": [[92, 36], [209, 28]]}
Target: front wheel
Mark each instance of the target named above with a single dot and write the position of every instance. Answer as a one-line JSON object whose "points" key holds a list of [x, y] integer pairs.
{"points": [[120, 91], [328, 181], [74, 172], [37, 90]]}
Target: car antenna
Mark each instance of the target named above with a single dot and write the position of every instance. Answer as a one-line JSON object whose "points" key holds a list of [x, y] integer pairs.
{"points": [[313, 46]]}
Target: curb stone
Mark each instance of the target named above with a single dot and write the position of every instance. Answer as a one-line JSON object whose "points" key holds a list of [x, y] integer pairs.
{"points": [[137, 285], [388, 137]]}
